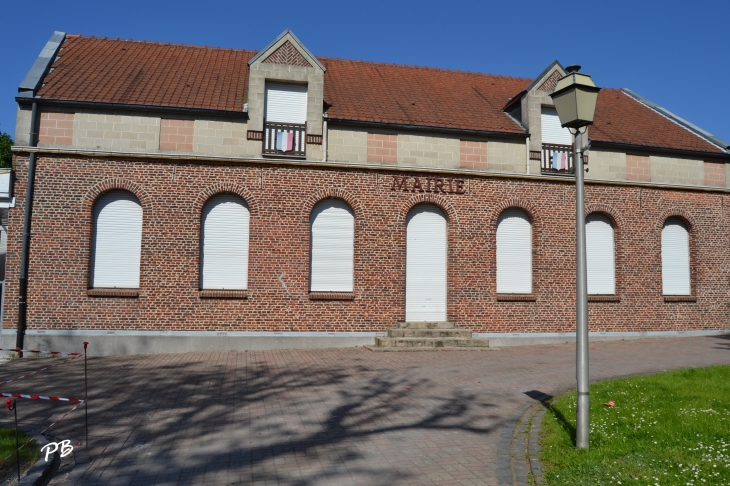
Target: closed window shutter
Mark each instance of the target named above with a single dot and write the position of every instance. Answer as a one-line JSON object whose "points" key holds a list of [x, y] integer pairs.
{"points": [[675, 258], [552, 132], [286, 103], [224, 242], [116, 241], [426, 237], [600, 255], [333, 247], [514, 253]]}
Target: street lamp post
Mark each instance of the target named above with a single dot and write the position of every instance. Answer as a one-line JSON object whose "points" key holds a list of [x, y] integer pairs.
{"points": [[575, 99]]}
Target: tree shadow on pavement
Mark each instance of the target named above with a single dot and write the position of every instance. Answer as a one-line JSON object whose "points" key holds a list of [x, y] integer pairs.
{"points": [[297, 418]]}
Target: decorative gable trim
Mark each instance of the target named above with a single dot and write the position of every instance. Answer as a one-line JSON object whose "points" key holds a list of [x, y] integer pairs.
{"points": [[287, 54], [287, 37], [550, 82]]}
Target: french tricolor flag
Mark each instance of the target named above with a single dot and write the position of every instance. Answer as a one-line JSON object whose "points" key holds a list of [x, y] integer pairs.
{"points": [[284, 141]]}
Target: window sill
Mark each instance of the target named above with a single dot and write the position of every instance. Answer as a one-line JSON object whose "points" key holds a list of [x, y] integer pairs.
{"points": [[516, 297], [604, 298], [223, 294], [331, 295], [680, 298], [113, 293]]}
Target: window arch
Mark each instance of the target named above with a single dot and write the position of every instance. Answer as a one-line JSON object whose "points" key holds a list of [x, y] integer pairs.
{"points": [[600, 254], [116, 242], [224, 243], [675, 258], [332, 250], [514, 252]]}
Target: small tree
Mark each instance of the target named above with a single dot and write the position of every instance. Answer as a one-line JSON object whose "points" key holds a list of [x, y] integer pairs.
{"points": [[6, 155]]}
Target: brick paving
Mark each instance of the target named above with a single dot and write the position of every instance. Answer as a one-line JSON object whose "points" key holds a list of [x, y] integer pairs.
{"points": [[306, 417]]}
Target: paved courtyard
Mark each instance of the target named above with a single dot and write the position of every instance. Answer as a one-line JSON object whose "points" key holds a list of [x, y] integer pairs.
{"points": [[306, 417]]}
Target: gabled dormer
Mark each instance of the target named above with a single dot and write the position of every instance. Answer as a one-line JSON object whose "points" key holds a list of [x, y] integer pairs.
{"points": [[286, 98], [550, 144]]}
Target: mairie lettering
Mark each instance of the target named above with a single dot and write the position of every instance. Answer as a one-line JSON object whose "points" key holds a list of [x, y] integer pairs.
{"points": [[437, 185]]}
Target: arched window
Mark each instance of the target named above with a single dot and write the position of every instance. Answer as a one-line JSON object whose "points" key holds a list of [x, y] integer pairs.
{"points": [[116, 245], [675, 258], [514, 252], [600, 255], [224, 243], [332, 247]]}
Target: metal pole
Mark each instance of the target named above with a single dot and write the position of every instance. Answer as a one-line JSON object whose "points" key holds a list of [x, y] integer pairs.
{"points": [[86, 397], [581, 299], [17, 444]]}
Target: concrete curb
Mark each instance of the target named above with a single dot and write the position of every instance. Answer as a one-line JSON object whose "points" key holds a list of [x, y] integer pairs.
{"points": [[40, 471], [518, 453]]}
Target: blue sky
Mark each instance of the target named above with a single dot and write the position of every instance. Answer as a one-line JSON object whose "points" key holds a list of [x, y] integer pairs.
{"points": [[673, 53]]}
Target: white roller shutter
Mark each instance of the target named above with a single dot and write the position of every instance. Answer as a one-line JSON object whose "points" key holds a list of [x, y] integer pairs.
{"points": [[675, 258], [426, 264], [224, 243], [514, 253], [333, 247], [600, 255], [116, 241], [286, 103], [552, 132]]}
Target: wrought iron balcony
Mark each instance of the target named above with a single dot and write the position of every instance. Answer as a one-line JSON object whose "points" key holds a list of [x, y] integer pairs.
{"points": [[285, 139]]}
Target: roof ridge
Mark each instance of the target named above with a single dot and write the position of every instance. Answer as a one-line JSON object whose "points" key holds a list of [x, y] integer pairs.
{"points": [[413, 66], [360, 61], [119, 39]]}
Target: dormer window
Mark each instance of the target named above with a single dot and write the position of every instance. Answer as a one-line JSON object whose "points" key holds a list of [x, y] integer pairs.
{"points": [[557, 143], [285, 119]]}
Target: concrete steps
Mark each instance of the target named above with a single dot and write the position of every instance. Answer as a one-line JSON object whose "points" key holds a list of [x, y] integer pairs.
{"points": [[428, 336]]}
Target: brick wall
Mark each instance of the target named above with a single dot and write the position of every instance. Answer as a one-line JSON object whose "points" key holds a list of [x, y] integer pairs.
{"points": [[177, 134], [56, 129], [281, 197], [383, 148], [637, 167], [714, 174], [473, 155]]}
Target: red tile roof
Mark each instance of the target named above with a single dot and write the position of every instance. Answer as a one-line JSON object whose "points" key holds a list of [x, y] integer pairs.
{"points": [[622, 119], [173, 75], [148, 73], [409, 95]]}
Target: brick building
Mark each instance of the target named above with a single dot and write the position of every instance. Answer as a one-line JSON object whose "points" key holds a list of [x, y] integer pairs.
{"points": [[193, 198]]}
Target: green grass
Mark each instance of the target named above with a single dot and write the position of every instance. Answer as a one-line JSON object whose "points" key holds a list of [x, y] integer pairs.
{"points": [[669, 428], [28, 454]]}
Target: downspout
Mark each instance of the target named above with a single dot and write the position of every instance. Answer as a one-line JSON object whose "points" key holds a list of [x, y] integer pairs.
{"points": [[23, 297], [324, 137], [527, 147]]}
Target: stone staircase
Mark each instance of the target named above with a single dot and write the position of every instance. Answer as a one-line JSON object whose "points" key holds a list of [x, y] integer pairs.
{"points": [[428, 336]]}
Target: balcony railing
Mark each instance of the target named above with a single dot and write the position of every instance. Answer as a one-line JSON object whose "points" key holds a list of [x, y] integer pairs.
{"points": [[556, 158], [287, 139]]}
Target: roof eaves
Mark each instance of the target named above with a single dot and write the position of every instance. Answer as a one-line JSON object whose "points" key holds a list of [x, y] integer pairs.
{"points": [[679, 121], [34, 79], [287, 31], [427, 128], [657, 148]]}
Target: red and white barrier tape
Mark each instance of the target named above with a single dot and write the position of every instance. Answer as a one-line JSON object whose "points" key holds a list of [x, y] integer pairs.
{"points": [[55, 353], [38, 371], [44, 430], [41, 397]]}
